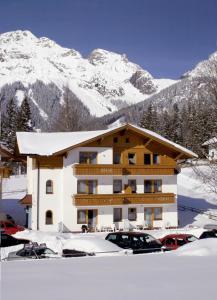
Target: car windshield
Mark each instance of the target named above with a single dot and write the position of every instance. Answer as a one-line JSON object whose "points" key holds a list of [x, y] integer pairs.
{"points": [[191, 238], [44, 251]]}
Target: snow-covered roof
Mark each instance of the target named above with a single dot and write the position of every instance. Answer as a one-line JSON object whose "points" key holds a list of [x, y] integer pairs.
{"points": [[54, 142], [210, 142]]}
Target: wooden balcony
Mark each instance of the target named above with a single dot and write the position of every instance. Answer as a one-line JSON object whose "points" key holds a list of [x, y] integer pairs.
{"points": [[82, 169], [121, 199]]}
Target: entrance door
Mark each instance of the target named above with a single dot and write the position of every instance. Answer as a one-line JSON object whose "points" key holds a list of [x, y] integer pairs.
{"points": [[92, 218], [148, 216]]}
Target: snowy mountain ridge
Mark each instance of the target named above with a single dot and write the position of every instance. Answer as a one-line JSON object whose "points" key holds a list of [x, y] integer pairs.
{"points": [[103, 82]]}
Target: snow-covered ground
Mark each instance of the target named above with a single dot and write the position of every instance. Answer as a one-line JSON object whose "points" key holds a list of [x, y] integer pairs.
{"points": [[14, 189], [150, 276], [192, 193]]}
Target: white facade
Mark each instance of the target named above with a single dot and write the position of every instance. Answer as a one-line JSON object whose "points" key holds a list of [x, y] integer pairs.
{"points": [[65, 186]]}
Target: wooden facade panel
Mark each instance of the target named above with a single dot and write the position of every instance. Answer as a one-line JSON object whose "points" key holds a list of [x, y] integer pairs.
{"points": [[5, 172], [121, 199], [48, 162], [128, 141], [82, 169]]}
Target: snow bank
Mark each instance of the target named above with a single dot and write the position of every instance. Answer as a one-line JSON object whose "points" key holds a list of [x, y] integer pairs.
{"points": [[54, 241], [90, 244], [120, 278], [204, 247]]}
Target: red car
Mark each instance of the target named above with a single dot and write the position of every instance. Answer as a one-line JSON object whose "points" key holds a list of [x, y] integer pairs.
{"points": [[10, 228], [174, 241]]}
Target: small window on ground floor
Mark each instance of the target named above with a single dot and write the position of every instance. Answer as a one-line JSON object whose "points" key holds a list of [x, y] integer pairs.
{"points": [[81, 216], [132, 214], [49, 217], [117, 214], [158, 212]]}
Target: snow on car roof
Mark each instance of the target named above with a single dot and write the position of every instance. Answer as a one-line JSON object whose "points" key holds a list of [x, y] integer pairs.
{"points": [[90, 244], [54, 142]]}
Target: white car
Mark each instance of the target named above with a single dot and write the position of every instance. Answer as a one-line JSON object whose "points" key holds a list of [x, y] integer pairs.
{"points": [[93, 246]]}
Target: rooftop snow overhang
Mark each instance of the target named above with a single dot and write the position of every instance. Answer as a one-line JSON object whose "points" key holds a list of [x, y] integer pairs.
{"points": [[182, 153]]}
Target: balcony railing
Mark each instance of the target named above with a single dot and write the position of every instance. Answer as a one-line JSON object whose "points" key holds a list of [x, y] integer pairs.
{"points": [[109, 169], [121, 199]]}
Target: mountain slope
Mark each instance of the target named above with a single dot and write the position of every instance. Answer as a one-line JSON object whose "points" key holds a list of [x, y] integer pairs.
{"points": [[40, 68], [197, 85]]}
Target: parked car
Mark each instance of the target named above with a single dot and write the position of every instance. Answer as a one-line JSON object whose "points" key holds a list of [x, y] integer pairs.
{"points": [[138, 242], [91, 246], [76, 253], [174, 241], [8, 241], [33, 251], [209, 234], [10, 228], [210, 226]]}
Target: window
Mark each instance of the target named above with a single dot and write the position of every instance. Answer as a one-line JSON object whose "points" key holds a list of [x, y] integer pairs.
{"points": [[156, 159], [81, 216], [158, 186], [87, 157], [153, 213], [153, 186], [131, 158], [49, 187], [157, 213], [115, 139], [147, 159], [148, 186], [49, 217], [87, 186], [127, 140], [132, 185], [117, 214], [132, 214], [116, 158], [117, 186]]}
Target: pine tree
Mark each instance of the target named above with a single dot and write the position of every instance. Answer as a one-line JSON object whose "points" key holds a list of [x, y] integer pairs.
{"points": [[9, 125], [150, 119], [176, 126], [24, 122]]}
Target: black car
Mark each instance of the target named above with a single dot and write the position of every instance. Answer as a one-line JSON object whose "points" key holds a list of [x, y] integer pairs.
{"points": [[138, 242], [8, 241], [209, 234], [75, 253]]}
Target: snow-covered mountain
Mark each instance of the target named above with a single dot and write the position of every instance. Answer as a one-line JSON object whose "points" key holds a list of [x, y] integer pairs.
{"points": [[205, 68], [40, 68], [196, 86]]}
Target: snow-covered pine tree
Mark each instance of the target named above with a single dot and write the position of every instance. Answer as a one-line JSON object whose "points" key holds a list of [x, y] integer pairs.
{"points": [[150, 119], [176, 125], [24, 121], [9, 124]]}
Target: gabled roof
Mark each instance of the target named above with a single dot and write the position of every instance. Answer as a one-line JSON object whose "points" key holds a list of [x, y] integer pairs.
{"points": [[61, 142], [210, 142]]}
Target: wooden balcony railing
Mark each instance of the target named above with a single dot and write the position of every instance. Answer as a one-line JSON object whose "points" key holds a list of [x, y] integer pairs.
{"points": [[82, 169], [121, 199]]}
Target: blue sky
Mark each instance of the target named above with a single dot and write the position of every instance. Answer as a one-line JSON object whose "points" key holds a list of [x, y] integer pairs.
{"points": [[166, 37]]}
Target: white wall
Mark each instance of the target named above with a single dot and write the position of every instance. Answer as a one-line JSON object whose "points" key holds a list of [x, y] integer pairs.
{"points": [[65, 186]]}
